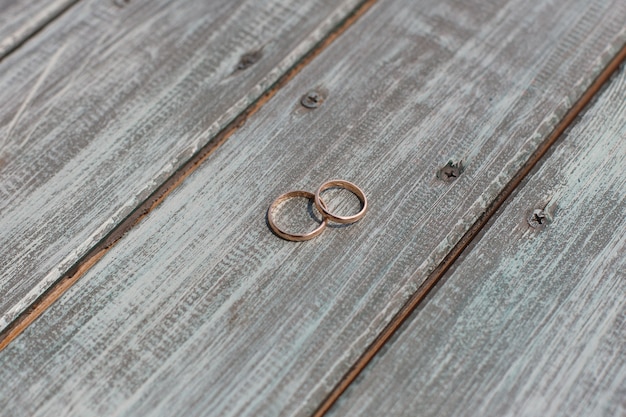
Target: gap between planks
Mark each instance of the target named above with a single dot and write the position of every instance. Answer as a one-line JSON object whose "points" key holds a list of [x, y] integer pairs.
{"points": [[473, 231], [42, 303], [28, 33]]}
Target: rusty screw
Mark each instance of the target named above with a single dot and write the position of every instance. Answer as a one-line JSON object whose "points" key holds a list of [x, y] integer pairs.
{"points": [[537, 219], [451, 171], [311, 100]]}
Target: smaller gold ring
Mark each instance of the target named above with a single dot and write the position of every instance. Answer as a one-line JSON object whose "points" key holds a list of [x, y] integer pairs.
{"points": [[295, 237], [321, 206]]}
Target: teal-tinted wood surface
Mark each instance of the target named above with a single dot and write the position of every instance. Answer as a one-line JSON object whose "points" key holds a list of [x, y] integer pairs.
{"points": [[530, 322], [201, 310], [108, 101]]}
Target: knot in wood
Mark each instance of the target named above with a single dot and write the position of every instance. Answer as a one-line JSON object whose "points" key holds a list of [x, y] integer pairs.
{"points": [[249, 59]]}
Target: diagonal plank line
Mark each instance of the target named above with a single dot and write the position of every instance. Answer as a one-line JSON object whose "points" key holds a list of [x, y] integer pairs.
{"points": [[41, 21], [56, 290], [469, 236], [44, 74], [82, 67]]}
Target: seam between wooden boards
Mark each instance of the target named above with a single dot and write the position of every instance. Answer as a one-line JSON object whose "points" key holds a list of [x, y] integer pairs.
{"points": [[41, 304], [31, 33], [469, 236]]}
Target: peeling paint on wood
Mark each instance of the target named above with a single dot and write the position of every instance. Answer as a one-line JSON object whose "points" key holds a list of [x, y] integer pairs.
{"points": [[526, 324], [201, 309], [100, 110]]}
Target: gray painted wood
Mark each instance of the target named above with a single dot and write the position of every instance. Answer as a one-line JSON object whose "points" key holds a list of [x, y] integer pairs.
{"points": [[108, 101], [21, 19], [201, 310], [530, 322]]}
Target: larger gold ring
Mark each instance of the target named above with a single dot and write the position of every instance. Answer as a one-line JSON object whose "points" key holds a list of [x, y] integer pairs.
{"points": [[321, 206], [294, 236]]}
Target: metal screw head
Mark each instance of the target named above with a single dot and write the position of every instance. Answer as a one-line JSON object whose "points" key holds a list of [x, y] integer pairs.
{"points": [[538, 219], [451, 171], [311, 100]]}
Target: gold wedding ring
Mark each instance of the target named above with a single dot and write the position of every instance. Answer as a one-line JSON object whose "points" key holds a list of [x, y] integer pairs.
{"points": [[321, 206], [296, 237]]}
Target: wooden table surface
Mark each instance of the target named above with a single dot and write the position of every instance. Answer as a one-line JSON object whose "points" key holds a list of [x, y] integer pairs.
{"points": [[142, 142]]}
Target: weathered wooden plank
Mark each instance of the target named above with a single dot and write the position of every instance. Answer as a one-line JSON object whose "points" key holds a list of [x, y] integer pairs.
{"points": [[202, 310], [109, 101], [21, 19], [532, 321]]}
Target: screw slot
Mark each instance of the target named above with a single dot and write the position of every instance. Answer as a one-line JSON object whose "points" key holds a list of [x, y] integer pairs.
{"points": [[311, 100], [451, 171], [537, 219]]}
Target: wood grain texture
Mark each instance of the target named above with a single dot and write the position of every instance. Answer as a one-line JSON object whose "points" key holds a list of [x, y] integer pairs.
{"points": [[19, 20], [110, 101], [201, 310], [531, 322]]}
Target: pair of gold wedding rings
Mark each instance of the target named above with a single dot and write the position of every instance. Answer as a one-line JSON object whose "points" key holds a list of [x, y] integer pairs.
{"points": [[327, 215]]}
